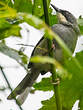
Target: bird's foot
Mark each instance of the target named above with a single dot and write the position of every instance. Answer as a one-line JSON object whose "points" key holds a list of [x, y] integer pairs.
{"points": [[57, 82]]}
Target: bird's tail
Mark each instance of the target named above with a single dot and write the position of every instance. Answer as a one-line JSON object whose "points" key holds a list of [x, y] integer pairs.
{"points": [[22, 97], [23, 89]]}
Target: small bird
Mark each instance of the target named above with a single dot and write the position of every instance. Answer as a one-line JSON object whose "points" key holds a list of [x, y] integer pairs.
{"points": [[67, 29]]}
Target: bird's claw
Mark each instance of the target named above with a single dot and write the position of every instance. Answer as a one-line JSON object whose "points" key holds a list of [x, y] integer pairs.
{"points": [[57, 82]]}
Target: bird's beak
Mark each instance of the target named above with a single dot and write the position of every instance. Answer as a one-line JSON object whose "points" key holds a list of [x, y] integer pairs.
{"points": [[61, 17], [57, 9]]}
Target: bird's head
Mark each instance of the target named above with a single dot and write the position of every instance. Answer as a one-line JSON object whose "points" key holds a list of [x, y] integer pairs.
{"points": [[65, 17]]}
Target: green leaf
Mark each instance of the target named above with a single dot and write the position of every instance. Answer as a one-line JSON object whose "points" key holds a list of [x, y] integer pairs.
{"points": [[53, 19], [7, 29], [9, 2], [80, 23], [6, 11], [4, 24], [14, 54], [61, 72], [38, 7], [44, 85], [23, 5], [14, 30], [71, 89], [79, 57], [42, 59], [49, 104]]}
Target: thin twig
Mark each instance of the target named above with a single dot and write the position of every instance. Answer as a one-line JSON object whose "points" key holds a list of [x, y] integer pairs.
{"points": [[26, 45], [9, 86], [43, 49]]}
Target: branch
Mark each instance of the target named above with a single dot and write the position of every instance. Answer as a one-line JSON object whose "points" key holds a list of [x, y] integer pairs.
{"points": [[53, 69], [9, 86]]}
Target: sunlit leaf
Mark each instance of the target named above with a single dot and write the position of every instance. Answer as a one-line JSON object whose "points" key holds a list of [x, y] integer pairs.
{"points": [[14, 30], [9, 27], [31, 20], [61, 72], [8, 2], [6, 11], [4, 24], [42, 59]]}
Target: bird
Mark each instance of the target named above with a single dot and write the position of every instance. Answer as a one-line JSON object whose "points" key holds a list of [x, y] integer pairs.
{"points": [[67, 29]]}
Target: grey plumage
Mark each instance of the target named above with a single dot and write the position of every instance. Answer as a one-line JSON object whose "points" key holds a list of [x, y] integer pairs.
{"points": [[68, 30]]}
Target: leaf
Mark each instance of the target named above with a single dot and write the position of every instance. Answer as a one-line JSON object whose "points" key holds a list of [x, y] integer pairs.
{"points": [[23, 5], [38, 11], [6, 28], [4, 24], [14, 30], [42, 59], [53, 19], [61, 72], [38, 7], [80, 23], [6, 11], [49, 104], [44, 85], [79, 57], [71, 89], [14, 54], [9, 2]]}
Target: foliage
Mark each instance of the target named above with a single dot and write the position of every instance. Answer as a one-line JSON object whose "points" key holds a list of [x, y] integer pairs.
{"points": [[72, 85], [80, 23], [38, 7], [23, 6], [70, 74]]}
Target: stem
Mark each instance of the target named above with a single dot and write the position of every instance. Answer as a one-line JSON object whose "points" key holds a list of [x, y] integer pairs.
{"points": [[80, 103], [5, 77], [46, 14], [53, 69], [56, 89]]}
